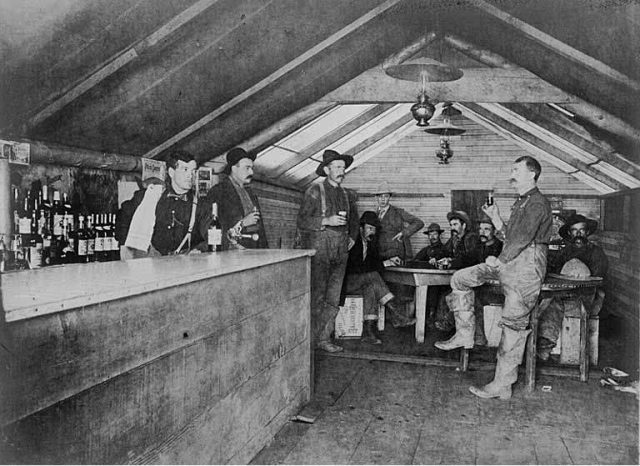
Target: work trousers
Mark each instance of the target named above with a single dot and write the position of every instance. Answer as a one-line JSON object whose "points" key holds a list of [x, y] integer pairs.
{"points": [[373, 289], [521, 280], [327, 274]]}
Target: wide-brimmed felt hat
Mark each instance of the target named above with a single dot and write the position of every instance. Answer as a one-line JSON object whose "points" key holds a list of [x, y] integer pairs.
{"points": [[383, 188], [433, 227], [460, 215], [235, 155], [370, 218], [485, 219], [329, 156], [592, 225]]}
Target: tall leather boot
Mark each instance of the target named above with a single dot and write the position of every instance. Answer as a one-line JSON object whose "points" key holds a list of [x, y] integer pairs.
{"points": [[370, 333], [461, 303], [510, 353]]}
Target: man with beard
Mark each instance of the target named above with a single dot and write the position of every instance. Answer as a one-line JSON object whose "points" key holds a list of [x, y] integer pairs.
{"points": [[435, 250], [328, 223], [489, 246], [520, 269], [575, 232], [238, 206], [464, 246], [363, 276]]}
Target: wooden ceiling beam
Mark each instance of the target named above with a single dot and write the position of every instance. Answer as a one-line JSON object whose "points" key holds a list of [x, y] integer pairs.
{"points": [[561, 125], [115, 63], [410, 50], [377, 142], [276, 75], [536, 145], [329, 138], [476, 85]]}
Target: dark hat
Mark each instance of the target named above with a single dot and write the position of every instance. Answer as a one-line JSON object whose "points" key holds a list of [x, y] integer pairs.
{"points": [[433, 227], [592, 225], [485, 219], [329, 156], [370, 218], [234, 156], [460, 215]]}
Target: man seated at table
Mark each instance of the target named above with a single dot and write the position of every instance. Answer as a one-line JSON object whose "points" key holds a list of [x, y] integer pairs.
{"points": [[490, 245], [430, 255], [363, 277], [592, 262], [463, 250]]}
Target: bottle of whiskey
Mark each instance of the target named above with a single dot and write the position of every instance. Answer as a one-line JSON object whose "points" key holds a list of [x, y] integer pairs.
{"points": [[35, 243], [91, 239], [82, 246], [214, 234], [115, 246]]}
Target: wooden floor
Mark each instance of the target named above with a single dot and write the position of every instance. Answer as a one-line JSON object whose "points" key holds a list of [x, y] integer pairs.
{"points": [[377, 412]]}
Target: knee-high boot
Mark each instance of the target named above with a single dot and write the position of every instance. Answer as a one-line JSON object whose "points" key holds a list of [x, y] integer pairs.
{"points": [[461, 304], [510, 353]]}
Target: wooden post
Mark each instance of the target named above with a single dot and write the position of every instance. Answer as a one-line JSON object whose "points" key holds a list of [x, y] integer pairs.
{"points": [[5, 199]]}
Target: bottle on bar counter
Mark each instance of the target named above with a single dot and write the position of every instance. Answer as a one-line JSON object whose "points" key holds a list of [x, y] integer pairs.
{"points": [[35, 243], [91, 239], [82, 247], [214, 234], [115, 246], [57, 215]]}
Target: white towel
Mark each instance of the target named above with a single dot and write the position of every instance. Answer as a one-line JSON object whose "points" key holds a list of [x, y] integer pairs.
{"points": [[144, 219]]}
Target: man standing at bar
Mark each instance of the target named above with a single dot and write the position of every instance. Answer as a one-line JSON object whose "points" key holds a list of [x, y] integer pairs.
{"points": [[520, 268], [238, 207], [161, 220], [328, 223]]}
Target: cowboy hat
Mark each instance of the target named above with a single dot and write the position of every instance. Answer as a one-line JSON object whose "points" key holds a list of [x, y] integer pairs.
{"points": [[329, 156], [460, 215], [592, 225], [433, 227], [383, 188], [485, 219], [370, 218], [234, 156]]}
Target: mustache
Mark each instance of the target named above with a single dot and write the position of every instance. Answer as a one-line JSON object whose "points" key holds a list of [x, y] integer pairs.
{"points": [[483, 236]]}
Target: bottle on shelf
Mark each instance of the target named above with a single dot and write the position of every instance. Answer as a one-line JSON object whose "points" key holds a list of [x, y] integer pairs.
{"points": [[214, 234], [91, 239], [3, 254], [24, 224], [47, 237], [108, 237], [82, 246], [57, 215], [115, 246], [35, 243], [99, 245]]}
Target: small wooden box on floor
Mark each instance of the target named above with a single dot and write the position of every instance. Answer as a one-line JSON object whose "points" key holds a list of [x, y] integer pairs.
{"points": [[349, 319]]}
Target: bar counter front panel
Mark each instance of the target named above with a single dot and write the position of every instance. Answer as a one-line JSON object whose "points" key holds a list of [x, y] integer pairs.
{"points": [[182, 359]]}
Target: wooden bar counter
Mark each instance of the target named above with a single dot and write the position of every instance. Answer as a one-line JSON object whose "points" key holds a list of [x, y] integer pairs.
{"points": [[183, 359]]}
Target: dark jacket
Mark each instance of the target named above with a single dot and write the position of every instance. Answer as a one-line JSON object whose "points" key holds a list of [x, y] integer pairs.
{"points": [[371, 263], [172, 220], [591, 254], [464, 252], [437, 252], [230, 211], [493, 249], [397, 220]]}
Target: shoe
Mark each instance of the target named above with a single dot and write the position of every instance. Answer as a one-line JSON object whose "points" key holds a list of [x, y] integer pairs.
{"points": [[329, 347], [465, 332], [402, 321], [369, 333], [503, 393]]}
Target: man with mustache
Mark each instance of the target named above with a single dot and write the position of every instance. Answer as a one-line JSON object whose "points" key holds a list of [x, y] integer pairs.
{"points": [[328, 222], [435, 250], [238, 206], [363, 276], [520, 269], [575, 232], [463, 246]]}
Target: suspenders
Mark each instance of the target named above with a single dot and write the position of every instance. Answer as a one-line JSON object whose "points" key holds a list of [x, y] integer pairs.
{"points": [[323, 199]]}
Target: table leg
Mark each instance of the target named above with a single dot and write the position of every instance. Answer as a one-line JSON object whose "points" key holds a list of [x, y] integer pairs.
{"points": [[584, 343], [421, 310]]}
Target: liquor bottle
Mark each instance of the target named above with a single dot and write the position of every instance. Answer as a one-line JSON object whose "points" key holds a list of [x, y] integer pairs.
{"points": [[108, 238], [214, 234], [115, 246], [3, 254], [24, 225], [99, 246], [35, 243], [57, 215], [43, 226], [17, 206], [46, 203], [91, 239], [82, 247], [69, 213]]}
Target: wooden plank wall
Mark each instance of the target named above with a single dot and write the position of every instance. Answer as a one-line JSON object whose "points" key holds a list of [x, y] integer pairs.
{"points": [[280, 209], [144, 380], [481, 160]]}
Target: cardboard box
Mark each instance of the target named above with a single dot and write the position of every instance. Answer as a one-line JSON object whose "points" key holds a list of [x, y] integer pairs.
{"points": [[349, 318]]}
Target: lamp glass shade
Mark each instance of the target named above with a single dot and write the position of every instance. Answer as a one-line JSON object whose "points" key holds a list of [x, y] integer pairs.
{"points": [[424, 70]]}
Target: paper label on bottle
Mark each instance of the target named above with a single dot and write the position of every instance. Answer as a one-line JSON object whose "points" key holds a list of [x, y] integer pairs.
{"points": [[91, 246], [115, 246], [57, 224], [35, 256], [24, 226], [82, 247], [214, 236], [106, 246], [99, 247]]}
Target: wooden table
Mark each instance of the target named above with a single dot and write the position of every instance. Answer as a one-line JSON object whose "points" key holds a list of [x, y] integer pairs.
{"points": [[421, 279]]}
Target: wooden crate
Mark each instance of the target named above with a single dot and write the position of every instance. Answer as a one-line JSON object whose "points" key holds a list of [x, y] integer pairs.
{"points": [[569, 340]]}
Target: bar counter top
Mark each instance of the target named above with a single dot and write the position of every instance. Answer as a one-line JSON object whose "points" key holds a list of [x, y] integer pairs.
{"points": [[32, 293]]}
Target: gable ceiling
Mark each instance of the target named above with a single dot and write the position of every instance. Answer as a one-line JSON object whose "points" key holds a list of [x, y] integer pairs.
{"points": [[289, 78]]}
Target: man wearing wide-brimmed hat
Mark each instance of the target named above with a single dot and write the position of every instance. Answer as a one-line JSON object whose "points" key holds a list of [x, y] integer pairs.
{"points": [[463, 246], [363, 276], [435, 250], [396, 226], [490, 244], [592, 262], [238, 206], [328, 222]]}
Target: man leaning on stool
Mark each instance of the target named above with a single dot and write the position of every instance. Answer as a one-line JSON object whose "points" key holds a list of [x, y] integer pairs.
{"points": [[520, 269]]}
